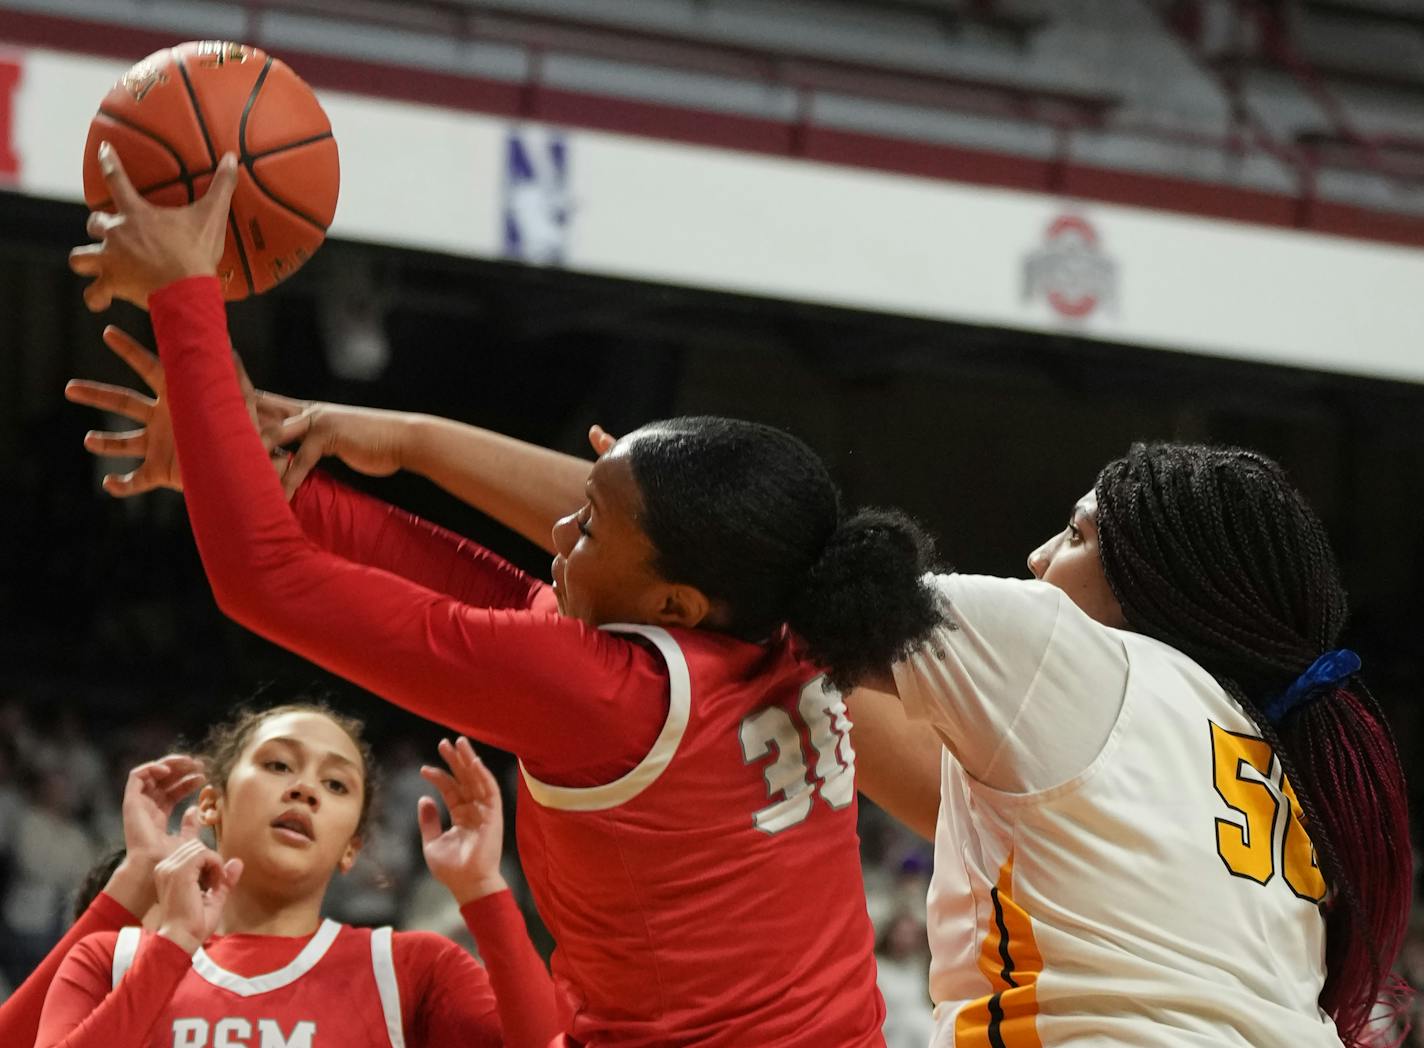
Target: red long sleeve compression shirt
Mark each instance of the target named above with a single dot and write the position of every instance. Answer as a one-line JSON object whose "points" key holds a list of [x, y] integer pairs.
{"points": [[429, 621], [446, 998]]}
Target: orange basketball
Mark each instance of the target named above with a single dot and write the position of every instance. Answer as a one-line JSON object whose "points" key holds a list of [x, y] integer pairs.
{"points": [[173, 116]]}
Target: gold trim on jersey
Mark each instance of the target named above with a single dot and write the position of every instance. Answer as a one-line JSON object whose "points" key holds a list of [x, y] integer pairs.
{"points": [[1006, 1017]]}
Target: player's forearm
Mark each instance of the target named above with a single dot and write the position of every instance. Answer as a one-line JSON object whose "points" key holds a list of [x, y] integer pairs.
{"points": [[82, 1012], [528, 1005], [523, 486]]}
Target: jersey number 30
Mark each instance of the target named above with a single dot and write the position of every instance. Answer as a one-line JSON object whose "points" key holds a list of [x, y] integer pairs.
{"points": [[1243, 767], [823, 713]]}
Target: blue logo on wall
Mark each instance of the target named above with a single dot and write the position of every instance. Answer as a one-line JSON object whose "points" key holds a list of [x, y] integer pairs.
{"points": [[536, 201]]}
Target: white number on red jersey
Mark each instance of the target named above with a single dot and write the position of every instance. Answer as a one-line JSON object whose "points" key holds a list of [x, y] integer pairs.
{"points": [[823, 713]]}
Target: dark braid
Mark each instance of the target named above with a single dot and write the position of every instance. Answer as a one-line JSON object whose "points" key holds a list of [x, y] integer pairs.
{"points": [[1213, 551]]}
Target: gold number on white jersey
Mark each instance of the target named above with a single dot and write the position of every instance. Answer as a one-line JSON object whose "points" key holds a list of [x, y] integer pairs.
{"points": [[1250, 782], [824, 715]]}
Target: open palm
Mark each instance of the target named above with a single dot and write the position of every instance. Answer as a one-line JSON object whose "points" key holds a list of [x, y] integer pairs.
{"points": [[152, 442], [465, 857]]}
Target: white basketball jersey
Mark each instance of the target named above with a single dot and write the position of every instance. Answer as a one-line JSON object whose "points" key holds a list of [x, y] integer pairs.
{"points": [[1137, 874]]}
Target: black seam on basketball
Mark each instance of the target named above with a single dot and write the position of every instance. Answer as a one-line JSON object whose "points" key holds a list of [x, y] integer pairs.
{"points": [[197, 109], [283, 204], [184, 175], [248, 158], [247, 108], [183, 180], [241, 252]]}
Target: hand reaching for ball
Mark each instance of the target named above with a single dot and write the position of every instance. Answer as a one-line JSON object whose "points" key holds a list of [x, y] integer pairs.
{"points": [[143, 247]]}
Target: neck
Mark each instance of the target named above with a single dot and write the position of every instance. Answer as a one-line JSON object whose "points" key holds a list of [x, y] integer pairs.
{"points": [[254, 912]]}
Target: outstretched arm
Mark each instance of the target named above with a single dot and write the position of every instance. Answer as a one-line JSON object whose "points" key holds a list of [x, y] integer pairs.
{"points": [[523, 486], [579, 704], [340, 520]]}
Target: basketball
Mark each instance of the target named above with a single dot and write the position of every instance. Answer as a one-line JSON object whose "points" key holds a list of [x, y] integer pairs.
{"points": [[174, 115]]}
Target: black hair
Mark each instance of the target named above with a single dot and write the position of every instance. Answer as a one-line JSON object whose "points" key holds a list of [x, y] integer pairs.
{"points": [[94, 881], [749, 515], [1213, 551]]}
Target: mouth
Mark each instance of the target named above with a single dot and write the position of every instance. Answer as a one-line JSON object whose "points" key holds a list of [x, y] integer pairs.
{"points": [[294, 826]]}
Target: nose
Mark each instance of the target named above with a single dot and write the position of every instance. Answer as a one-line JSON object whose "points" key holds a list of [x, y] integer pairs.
{"points": [[564, 534], [301, 793], [1040, 558]]}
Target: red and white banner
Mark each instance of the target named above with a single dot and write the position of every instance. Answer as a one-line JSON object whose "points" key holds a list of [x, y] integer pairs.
{"points": [[464, 183]]}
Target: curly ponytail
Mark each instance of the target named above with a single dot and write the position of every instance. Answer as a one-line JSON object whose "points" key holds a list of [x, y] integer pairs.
{"points": [[865, 603]]}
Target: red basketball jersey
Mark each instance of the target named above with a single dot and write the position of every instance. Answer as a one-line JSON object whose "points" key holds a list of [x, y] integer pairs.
{"points": [[292, 1006], [713, 895]]}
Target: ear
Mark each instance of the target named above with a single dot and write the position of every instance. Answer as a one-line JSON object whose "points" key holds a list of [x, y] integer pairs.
{"points": [[679, 605], [210, 810], [209, 805], [348, 857]]}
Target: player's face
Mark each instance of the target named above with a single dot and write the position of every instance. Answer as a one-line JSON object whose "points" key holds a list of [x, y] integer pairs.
{"points": [[292, 804], [1070, 561], [603, 567]]}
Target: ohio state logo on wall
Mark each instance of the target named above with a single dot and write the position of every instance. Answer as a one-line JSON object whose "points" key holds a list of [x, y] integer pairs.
{"points": [[1071, 271], [9, 155]]}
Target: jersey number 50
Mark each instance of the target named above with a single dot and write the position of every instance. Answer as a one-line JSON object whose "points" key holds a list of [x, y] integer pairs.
{"points": [[1243, 767], [823, 713]]}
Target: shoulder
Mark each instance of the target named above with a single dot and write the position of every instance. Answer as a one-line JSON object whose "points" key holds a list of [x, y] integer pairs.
{"points": [[98, 946]]}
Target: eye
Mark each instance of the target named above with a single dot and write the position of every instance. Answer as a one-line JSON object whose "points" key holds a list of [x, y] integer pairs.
{"points": [[582, 520], [277, 766], [1074, 535], [337, 786]]}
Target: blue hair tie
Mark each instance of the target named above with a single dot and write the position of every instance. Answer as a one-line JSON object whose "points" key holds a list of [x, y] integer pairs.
{"points": [[1324, 674]]}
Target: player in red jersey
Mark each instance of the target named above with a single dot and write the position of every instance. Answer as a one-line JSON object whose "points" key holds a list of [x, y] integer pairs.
{"points": [[687, 799], [150, 794], [241, 957]]}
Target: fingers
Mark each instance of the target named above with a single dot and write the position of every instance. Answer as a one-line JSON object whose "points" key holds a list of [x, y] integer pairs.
{"points": [[87, 261], [136, 355], [292, 428], [116, 399], [186, 858], [99, 224], [191, 824], [427, 814], [178, 789], [443, 781], [471, 772], [279, 406], [217, 201], [600, 439], [133, 444], [121, 190], [126, 485], [99, 296], [303, 462], [232, 873]]}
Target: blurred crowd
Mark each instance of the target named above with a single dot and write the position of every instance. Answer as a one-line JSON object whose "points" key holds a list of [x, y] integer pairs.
{"points": [[61, 783]]}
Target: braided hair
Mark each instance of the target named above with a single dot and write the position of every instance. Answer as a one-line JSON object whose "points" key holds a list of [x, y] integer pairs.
{"points": [[1213, 551]]}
